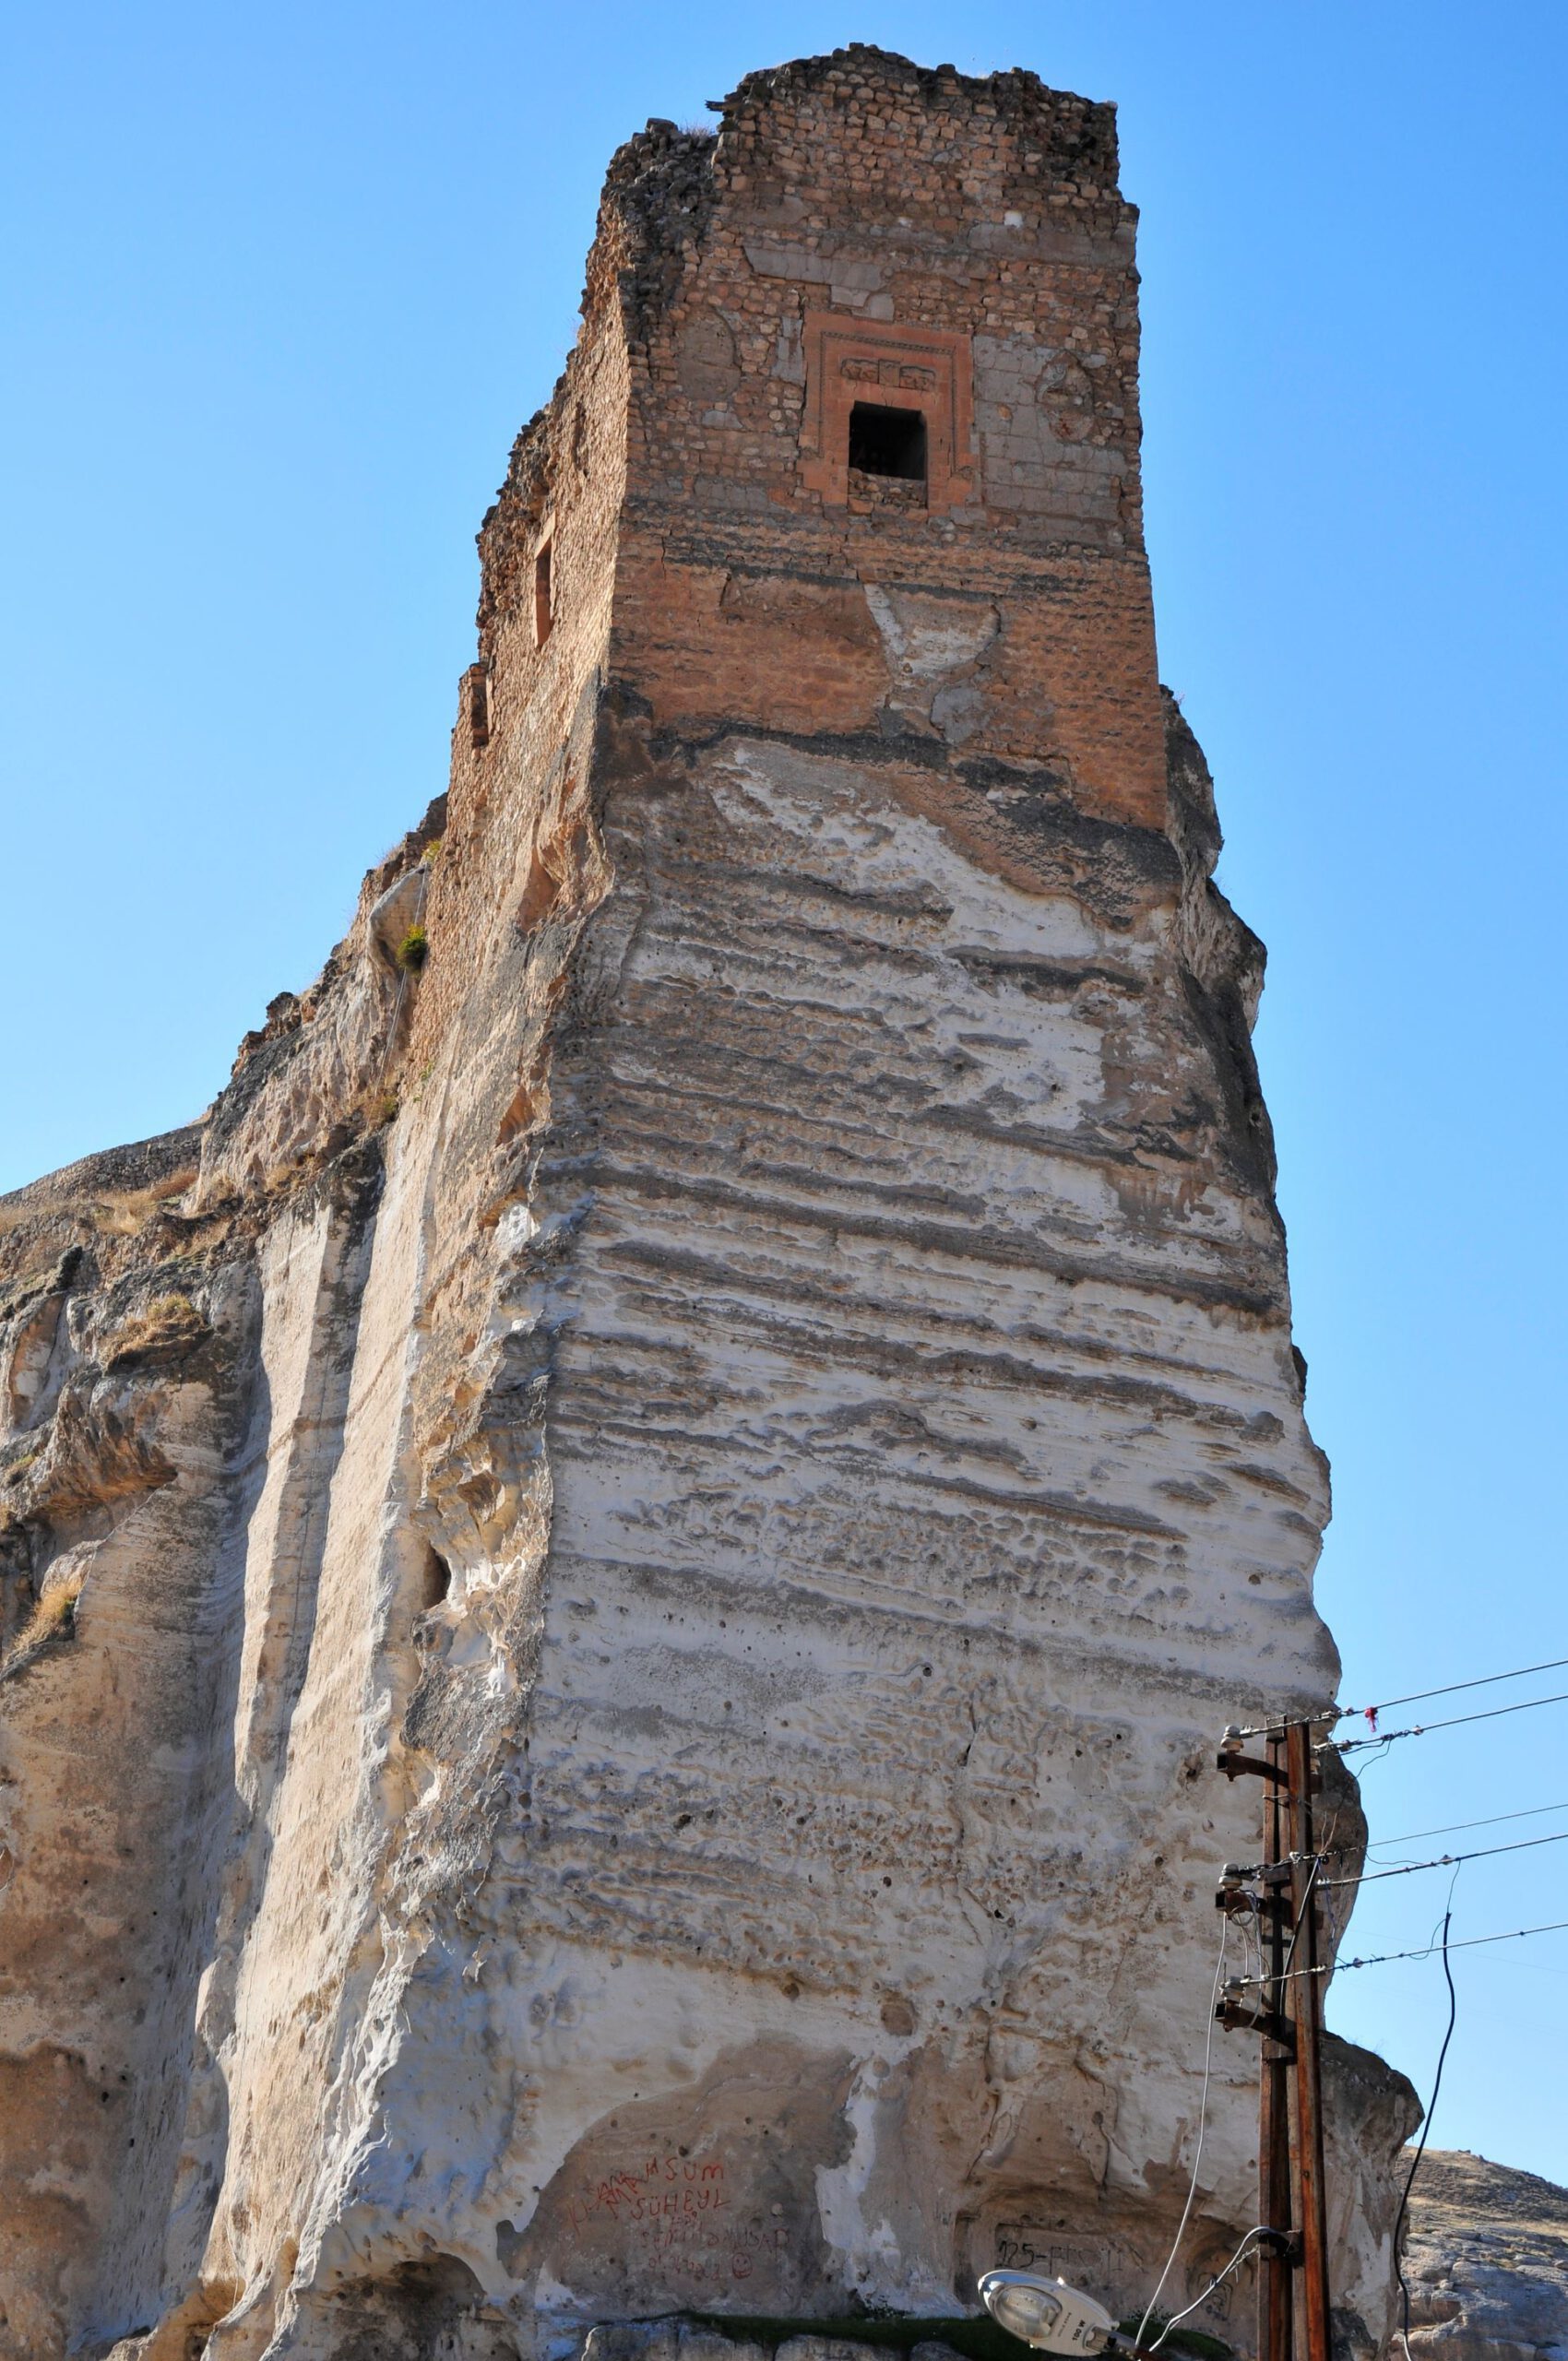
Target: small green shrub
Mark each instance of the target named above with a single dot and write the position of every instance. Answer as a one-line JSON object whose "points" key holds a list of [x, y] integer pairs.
{"points": [[413, 951], [386, 1108], [432, 850]]}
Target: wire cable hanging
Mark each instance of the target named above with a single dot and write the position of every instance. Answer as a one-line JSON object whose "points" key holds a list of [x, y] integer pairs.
{"points": [[1426, 2127], [1176, 2318], [1198, 2152], [1446, 1861], [1382, 1959], [1332, 1713], [1459, 1827], [1452, 1688], [1454, 1722]]}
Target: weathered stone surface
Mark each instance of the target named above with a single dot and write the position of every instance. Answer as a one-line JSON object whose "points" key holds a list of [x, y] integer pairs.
{"points": [[622, 1570], [1485, 2258]]}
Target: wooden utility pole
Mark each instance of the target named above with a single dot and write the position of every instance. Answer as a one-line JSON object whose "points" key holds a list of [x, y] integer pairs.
{"points": [[1293, 2307], [1304, 2006], [1275, 2304]]}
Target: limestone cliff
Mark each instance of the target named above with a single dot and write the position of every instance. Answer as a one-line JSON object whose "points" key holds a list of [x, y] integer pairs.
{"points": [[620, 1570]]}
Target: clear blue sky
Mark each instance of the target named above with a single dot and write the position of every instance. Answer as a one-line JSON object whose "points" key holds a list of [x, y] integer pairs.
{"points": [[280, 283]]}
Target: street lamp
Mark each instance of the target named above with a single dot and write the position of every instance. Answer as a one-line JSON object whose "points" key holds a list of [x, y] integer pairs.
{"points": [[1047, 2313]]}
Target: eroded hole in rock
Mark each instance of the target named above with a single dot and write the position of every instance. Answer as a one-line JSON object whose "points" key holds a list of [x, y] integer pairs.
{"points": [[439, 2279], [435, 1579], [888, 442]]}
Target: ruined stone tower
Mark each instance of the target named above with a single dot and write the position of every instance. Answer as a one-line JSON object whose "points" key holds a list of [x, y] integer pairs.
{"points": [[622, 1570]]}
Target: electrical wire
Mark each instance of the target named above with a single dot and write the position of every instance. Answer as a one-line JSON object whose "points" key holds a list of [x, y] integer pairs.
{"points": [[1382, 1959], [1426, 2129], [1373, 1760], [1176, 2318], [1301, 1914], [1458, 1827], [1445, 1861], [1202, 2127], [1419, 1697], [1455, 1721], [1333, 1713]]}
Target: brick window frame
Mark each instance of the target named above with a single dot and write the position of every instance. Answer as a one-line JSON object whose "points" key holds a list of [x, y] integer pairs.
{"points": [[931, 370]]}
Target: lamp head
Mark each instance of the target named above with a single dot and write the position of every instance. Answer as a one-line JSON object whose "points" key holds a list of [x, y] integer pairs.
{"points": [[1046, 2313]]}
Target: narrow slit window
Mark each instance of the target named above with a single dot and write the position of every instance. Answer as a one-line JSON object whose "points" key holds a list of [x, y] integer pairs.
{"points": [[543, 609], [885, 441]]}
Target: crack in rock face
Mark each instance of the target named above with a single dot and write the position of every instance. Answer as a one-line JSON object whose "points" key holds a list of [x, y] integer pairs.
{"points": [[620, 1574]]}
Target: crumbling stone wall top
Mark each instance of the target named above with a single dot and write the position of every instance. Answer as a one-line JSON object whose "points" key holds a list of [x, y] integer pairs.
{"points": [[857, 100]]}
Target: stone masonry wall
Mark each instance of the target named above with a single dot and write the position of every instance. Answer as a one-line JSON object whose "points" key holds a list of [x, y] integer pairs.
{"points": [[991, 223]]}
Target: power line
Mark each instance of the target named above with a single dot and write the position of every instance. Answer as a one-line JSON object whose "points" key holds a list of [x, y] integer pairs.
{"points": [[1458, 1827], [1449, 1860], [1419, 1697], [1332, 1713], [1455, 1721], [1382, 1959]]}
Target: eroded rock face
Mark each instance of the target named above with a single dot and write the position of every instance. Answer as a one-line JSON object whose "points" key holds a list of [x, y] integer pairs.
{"points": [[1486, 2262], [622, 1570]]}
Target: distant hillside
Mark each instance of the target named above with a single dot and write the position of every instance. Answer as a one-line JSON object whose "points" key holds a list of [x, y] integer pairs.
{"points": [[1487, 2260]]}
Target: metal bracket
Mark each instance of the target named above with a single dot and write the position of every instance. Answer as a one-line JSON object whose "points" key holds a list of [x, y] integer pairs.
{"points": [[1237, 2017], [1236, 1765]]}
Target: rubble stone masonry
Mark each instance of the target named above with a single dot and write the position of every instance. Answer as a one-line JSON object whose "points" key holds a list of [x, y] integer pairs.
{"points": [[619, 1573]]}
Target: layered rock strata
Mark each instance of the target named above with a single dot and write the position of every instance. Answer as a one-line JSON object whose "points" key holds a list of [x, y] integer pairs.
{"points": [[622, 1570]]}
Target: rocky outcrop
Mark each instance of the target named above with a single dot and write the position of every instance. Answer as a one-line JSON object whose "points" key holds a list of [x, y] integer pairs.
{"points": [[1486, 2260], [621, 1572]]}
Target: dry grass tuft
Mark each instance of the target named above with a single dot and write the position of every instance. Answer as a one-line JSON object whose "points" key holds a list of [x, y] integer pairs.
{"points": [[54, 1617], [166, 1320]]}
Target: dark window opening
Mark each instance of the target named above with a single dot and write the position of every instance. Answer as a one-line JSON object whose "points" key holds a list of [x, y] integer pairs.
{"points": [[886, 441], [478, 707], [543, 612]]}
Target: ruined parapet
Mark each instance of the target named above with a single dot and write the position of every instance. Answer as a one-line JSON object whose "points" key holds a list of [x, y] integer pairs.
{"points": [[734, 1435]]}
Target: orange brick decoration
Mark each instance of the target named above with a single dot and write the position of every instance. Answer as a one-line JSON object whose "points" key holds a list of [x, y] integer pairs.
{"points": [[929, 371]]}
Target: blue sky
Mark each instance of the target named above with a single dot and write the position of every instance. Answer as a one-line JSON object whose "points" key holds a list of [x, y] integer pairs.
{"points": [[282, 284]]}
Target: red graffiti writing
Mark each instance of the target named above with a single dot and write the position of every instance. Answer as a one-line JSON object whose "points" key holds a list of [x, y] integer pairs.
{"points": [[677, 2209]]}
